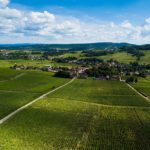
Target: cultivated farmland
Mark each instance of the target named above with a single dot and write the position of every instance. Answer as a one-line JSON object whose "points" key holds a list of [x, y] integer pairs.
{"points": [[101, 92], [143, 86], [18, 88], [84, 115]]}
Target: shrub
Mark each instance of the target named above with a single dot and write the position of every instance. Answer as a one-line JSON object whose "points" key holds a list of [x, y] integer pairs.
{"points": [[62, 74]]}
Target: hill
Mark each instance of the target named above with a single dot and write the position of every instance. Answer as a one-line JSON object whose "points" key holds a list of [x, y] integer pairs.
{"points": [[46, 47]]}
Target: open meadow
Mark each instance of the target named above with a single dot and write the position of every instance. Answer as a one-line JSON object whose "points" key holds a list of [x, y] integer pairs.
{"points": [[85, 115]]}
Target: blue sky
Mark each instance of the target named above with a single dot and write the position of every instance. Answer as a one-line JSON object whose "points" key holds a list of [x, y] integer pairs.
{"points": [[59, 21], [101, 9]]}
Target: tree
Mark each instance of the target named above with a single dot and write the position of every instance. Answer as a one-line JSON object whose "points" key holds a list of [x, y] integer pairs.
{"points": [[135, 80], [130, 80], [62, 74]]}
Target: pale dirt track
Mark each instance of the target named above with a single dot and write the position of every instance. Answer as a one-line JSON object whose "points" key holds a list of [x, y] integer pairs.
{"points": [[14, 78], [30, 103], [131, 87]]}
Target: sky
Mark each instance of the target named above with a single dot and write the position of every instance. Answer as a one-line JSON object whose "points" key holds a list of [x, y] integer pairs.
{"points": [[74, 21]]}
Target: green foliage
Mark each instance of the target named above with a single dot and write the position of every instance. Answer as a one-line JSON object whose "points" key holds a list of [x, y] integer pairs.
{"points": [[131, 79], [102, 71], [62, 74]]}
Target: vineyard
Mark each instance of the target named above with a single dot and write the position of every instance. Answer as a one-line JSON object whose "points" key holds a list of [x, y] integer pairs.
{"points": [[143, 86], [101, 92], [85, 115], [19, 88]]}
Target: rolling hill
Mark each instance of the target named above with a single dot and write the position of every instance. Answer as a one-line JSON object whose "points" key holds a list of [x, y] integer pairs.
{"points": [[46, 47]]}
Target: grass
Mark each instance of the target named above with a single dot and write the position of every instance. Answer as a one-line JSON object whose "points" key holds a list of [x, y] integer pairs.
{"points": [[143, 86], [101, 92], [6, 74], [145, 59], [121, 57], [19, 91], [126, 58], [32, 82], [35, 63], [77, 54]]}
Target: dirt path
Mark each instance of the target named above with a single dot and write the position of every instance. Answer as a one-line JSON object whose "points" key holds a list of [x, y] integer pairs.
{"points": [[18, 76], [131, 87], [30, 103], [13, 78]]}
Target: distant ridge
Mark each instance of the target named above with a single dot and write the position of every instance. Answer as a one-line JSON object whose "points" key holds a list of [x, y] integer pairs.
{"points": [[84, 46]]}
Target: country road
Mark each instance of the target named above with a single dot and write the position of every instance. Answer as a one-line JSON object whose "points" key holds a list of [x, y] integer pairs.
{"points": [[30, 103]]}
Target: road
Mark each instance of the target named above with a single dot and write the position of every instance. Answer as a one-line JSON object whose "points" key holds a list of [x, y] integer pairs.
{"points": [[30, 103]]}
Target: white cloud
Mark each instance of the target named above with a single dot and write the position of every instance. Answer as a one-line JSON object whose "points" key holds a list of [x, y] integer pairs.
{"points": [[4, 3], [10, 13], [126, 24], [41, 18], [44, 27]]}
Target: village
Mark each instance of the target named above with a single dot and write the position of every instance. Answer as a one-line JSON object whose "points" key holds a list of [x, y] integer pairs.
{"points": [[96, 69]]}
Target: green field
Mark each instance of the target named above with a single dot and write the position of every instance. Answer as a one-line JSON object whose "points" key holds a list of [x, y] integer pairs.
{"points": [[62, 124], [145, 59], [6, 74], [143, 86], [35, 63], [121, 57], [24, 87], [76, 118], [101, 92], [77, 54]]}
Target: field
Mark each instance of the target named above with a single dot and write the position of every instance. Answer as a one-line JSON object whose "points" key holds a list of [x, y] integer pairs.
{"points": [[6, 74], [143, 86], [77, 54], [145, 59], [35, 63], [101, 92], [18, 88], [79, 117], [121, 57]]}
